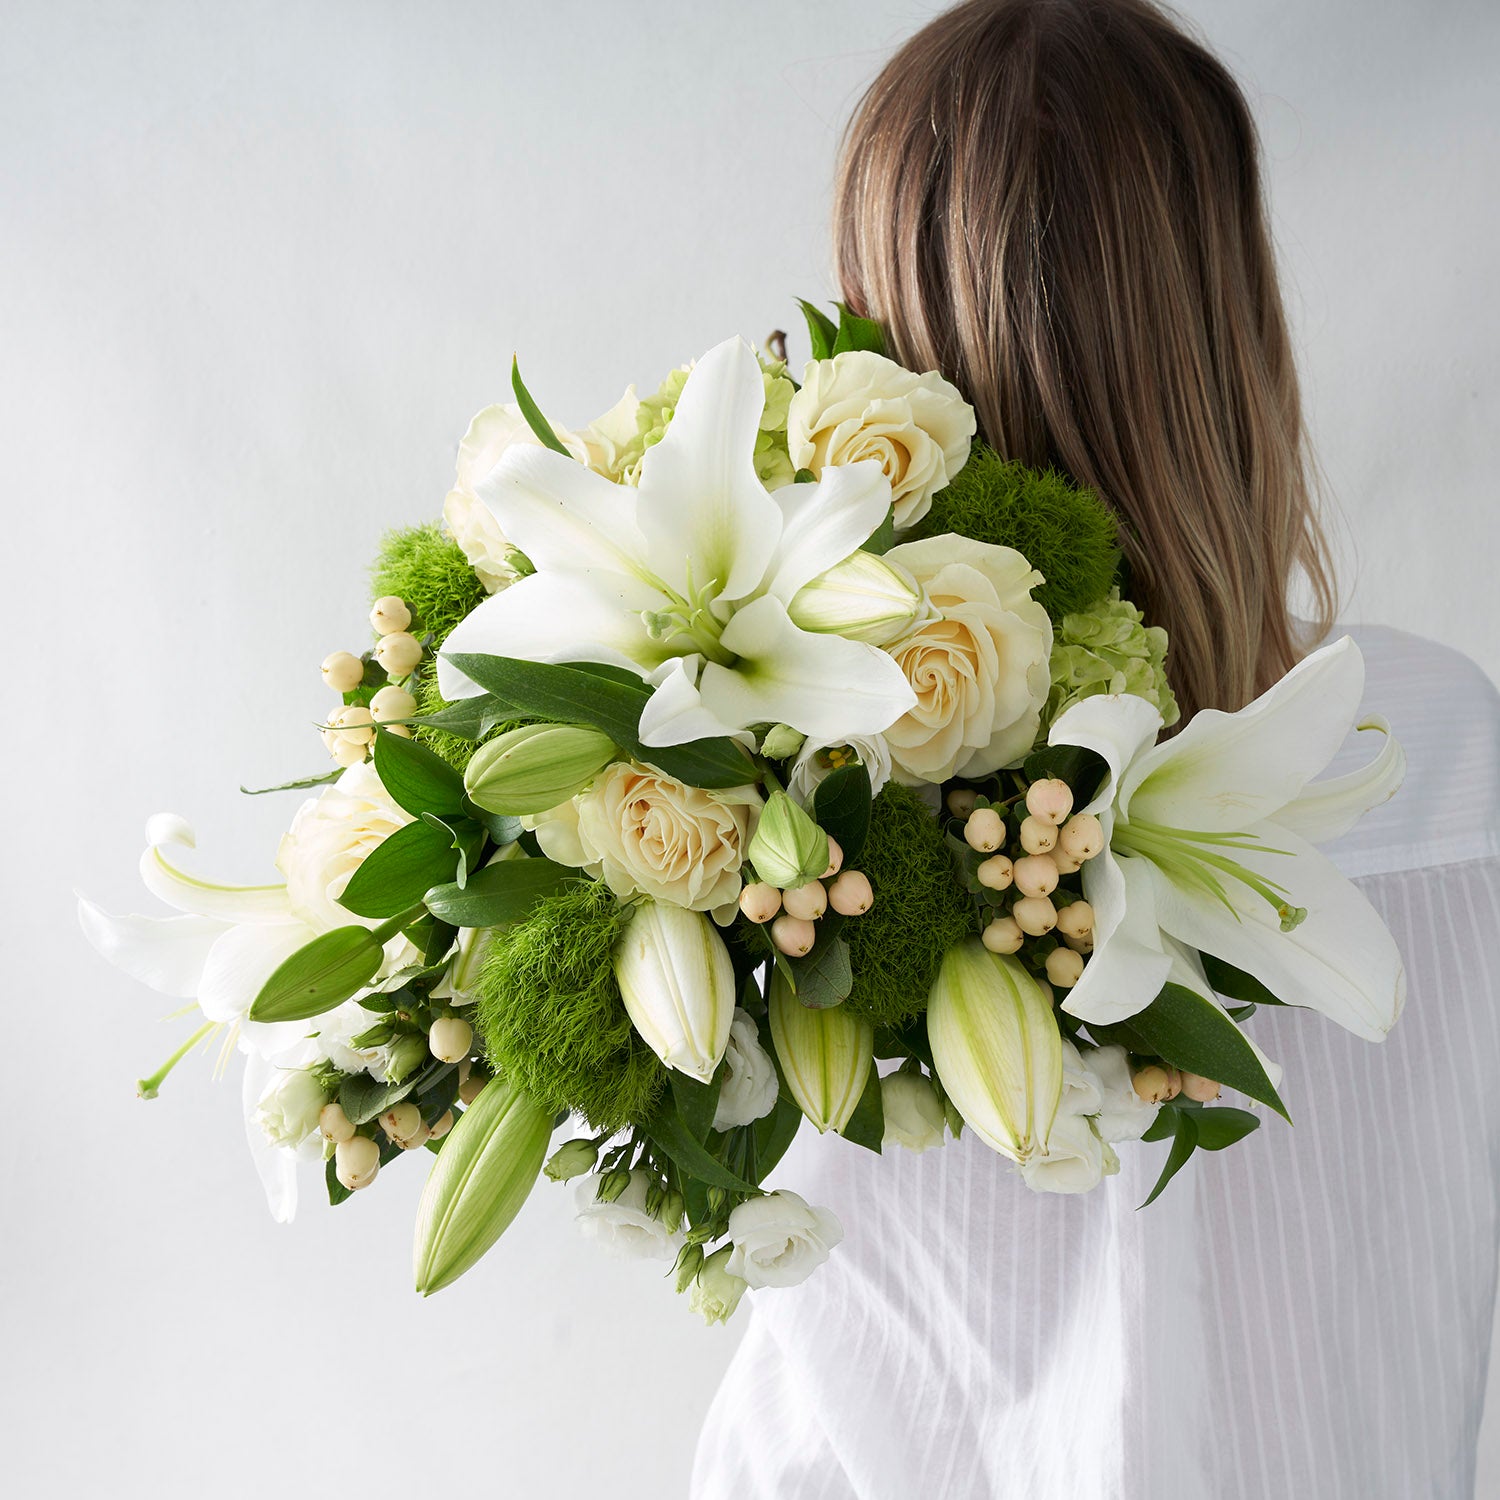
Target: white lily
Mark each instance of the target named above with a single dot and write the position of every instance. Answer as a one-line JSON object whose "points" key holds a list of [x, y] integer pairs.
{"points": [[1208, 843], [687, 578]]}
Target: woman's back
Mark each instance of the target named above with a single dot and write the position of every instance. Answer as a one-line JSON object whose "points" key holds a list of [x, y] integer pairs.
{"points": [[1306, 1315]]}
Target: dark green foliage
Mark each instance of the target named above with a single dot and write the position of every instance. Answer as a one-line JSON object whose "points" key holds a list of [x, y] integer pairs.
{"points": [[1066, 533], [423, 566], [920, 910], [551, 1015]]}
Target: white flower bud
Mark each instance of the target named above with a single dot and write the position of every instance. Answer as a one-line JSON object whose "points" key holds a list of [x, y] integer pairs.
{"points": [[808, 901], [356, 1161], [793, 936], [913, 1112], [1036, 875], [392, 702], [996, 873], [343, 671], [1064, 968], [760, 902], [398, 653], [388, 615], [1003, 935], [825, 1055], [1051, 800], [850, 894], [449, 1038], [1082, 837], [401, 1121], [334, 1123], [984, 830], [1037, 835], [1075, 925], [864, 598], [1035, 915]]}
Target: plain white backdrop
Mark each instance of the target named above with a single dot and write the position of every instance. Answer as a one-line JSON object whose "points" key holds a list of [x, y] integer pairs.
{"points": [[258, 266]]}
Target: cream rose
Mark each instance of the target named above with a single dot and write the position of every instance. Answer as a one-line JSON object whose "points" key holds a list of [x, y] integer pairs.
{"points": [[980, 669], [329, 839], [645, 833], [860, 405]]}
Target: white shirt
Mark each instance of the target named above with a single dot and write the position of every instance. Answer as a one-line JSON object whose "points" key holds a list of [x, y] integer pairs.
{"points": [[1306, 1314]]}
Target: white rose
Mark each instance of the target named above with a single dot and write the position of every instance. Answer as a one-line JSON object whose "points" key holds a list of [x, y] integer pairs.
{"points": [[750, 1085], [1123, 1114], [287, 1110], [329, 839], [780, 1239], [814, 762], [860, 405], [913, 1113], [474, 527], [645, 833], [980, 670], [623, 1228]]}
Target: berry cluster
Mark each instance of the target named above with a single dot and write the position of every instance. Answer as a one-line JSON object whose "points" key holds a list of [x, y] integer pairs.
{"points": [[793, 914], [350, 730]]}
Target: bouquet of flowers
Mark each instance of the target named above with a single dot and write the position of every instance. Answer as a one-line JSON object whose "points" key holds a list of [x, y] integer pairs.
{"points": [[766, 752]]}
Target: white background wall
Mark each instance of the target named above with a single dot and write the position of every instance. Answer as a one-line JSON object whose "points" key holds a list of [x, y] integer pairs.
{"points": [[258, 265]]}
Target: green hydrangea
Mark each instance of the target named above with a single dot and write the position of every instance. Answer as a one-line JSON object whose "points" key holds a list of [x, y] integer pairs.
{"points": [[1110, 649]]}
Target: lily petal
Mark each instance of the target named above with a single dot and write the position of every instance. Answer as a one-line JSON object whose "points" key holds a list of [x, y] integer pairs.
{"points": [[167, 954], [676, 713], [699, 496], [1128, 966], [1340, 961], [1117, 727], [1326, 809], [242, 960], [1226, 771], [825, 522], [275, 1165], [203, 898]]}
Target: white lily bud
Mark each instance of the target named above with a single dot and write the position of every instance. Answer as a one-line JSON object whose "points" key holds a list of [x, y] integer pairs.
{"points": [[1050, 799], [536, 767], [678, 985], [392, 702], [793, 936], [1064, 967], [449, 1038], [1038, 836], [1003, 935], [825, 1055], [1082, 837], [808, 901], [388, 615], [996, 873], [760, 902], [997, 1049], [984, 830], [356, 1161], [1036, 875], [343, 671], [1035, 915], [864, 598], [850, 894], [334, 1123], [399, 652]]}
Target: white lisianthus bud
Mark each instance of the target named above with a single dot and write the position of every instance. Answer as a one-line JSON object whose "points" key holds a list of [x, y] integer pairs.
{"points": [[449, 1038], [780, 1239], [808, 901], [356, 1161], [850, 894], [624, 1225], [793, 936], [788, 847], [996, 873], [750, 1086], [1049, 799], [984, 830], [334, 1123], [996, 1047], [717, 1291], [1073, 1162], [864, 598], [343, 671], [1003, 935], [1038, 836], [534, 768], [913, 1112], [1082, 837], [1064, 968], [782, 742], [388, 615], [572, 1159], [392, 702], [760, 902], [1035, 915], [826, 1055], [399, 652], [678, 986], [1035, 875]]}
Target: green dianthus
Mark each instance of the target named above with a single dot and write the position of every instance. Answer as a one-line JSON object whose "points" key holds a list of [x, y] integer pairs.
{"points": [[551, 1015], [424, 567], [454, 749], [1065, 532], [920, 910]]}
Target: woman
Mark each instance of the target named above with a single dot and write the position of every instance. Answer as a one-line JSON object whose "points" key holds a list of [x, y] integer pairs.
{"points": [[1057, 204]]}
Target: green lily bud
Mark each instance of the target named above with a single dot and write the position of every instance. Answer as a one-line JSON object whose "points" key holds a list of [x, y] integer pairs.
{"points": [[825, 1055], [788, 848], [996, 1047], [782, 742], [572, 1159], [535, 767], [864, 598], [407, 1054], [489, 1163]]}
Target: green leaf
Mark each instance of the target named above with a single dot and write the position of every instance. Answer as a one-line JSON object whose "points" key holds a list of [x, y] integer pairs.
{"points": [[437, 1093], [821, 330], [668, 1131], [841, 806], [775, 1132], [1182, 1148], [1192, 1033], [575, 695], [883, 538], [297, 786], [1235, 983], [503, 892], [866, 1126], [696, 1102], [857, 333], [1164, 1126], [399, 871], [1222, 1126], [337, 1192], [362, 1098], [533, 413], [825, 977], [465, 837], [503, 828], [417, 780], [1083, 770], [319, 975], [468, 718]]}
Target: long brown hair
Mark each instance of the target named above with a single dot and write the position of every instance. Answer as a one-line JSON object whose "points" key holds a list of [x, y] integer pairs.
{"points": [[1057, 203]]}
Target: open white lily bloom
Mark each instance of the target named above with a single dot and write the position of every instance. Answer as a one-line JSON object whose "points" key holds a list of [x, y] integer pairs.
{"points": [[1208, 843], [687, 578]]}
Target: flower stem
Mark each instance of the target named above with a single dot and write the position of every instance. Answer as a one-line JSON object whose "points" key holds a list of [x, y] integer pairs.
{"points": [[147, 1088]]}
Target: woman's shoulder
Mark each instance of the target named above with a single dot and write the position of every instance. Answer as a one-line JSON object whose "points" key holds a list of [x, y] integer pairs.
{"points": [[1445, 711]]}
